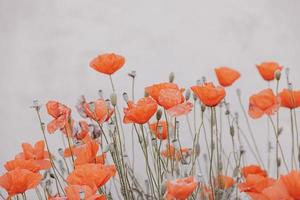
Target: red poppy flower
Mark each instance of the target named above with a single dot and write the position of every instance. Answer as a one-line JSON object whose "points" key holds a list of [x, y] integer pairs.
{"points": [[160, 129], [169, 98], [87, 154], [172, 153], [224, 182], [36, 153], [180, 189], [61, 115], [19, 181], [292, 183], [154, 90], [83, 132], [227, 76], [253, 169], [290, 99], [180, 109], [277, 191], [255, 183], [264, 102], [140, 112], [98, 111], [30, 165], [73, 193], [208, 94], [267, 70], [92, 175], [107, 63]]}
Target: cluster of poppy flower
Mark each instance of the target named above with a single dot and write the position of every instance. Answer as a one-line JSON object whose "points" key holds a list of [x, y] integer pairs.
{"points": [[82, 172]]}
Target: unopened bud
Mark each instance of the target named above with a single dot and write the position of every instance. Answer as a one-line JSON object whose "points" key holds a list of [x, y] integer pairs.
{"points": [[158, 114], [125, 97], [277, 75], [203, 107], [113, 99], [231, 131], [278, 162], [187, 94], [100, 93], [171, 77]]}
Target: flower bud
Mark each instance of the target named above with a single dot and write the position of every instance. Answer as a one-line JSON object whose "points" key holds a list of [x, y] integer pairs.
{"points": [[171, 77], [125, 97], [277, 75], [100, 93], [113, 99], [231, 131], [187, 94], [203, 107], [158, 114]]}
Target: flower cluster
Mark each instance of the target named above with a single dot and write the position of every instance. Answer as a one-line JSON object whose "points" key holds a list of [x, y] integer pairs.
{"points": [[94, 163]]}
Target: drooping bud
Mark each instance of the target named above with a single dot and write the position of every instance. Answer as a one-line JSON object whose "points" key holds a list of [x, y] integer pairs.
{"points": [[125, 97], [113, 99], [100, 93], [187, 94], [158, 114], [132, 74], [277, 75], [171, 77]]}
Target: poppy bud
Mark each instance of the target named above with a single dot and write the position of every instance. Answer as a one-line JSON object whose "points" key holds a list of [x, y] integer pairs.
{"points": [[187, 94], [113, 99], [61, 152], [236, 172], [290, 86], [125, 97], [278, 162], [132, 74], [203, 107], [231, 131], [146, 94], [171, 77], [100, 93], [203, 79], [158, 114], [277, 75], [280, 130]]}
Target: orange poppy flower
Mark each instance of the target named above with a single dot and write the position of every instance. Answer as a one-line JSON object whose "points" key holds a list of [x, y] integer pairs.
{"points": [[92, 175], [227, 76], [267, 70], [107, 63], [36, 153], [73, 193], [255, 183], [180, 189], [208, 94], [87, 154], [264, 102], [83, 132], [290, 99], [140, 112], [180, 109], [61, 115], [98, 111], [277, 191], [206, 192], [292, 183], [19, 181], [160, 129], [172, 153], [257, 196], [224, 182], [253, 169], [169, 98], [30, 165], [154, 90]]}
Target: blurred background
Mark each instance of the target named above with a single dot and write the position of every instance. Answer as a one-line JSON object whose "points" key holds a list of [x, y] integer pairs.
{"points": [[46, 46]]}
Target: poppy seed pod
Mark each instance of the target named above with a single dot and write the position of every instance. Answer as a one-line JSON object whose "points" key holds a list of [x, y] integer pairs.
{"points": [[158, 114], [171, 77], [125, 97], [187, 94], [113, 99], [277, 75]]}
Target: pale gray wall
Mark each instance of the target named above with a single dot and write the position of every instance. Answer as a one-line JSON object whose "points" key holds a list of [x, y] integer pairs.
{"points": [[46, 46]]}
